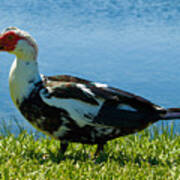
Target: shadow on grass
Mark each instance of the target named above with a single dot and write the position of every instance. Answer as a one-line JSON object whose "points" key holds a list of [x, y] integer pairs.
{"points": [[80, 156], [55, 157]]}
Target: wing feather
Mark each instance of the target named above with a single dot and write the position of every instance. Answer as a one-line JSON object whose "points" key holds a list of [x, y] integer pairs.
{"points": [[97, 104]]}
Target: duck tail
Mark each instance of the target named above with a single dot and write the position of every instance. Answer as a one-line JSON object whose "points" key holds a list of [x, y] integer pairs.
{"points": [[171, 113]]}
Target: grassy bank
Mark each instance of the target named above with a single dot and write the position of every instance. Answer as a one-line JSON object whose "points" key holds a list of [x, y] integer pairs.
{"points": [[148, 155]]}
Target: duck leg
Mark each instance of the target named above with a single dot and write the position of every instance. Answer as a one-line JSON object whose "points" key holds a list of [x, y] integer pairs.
{"points": [[99, 149], [63, 148]]}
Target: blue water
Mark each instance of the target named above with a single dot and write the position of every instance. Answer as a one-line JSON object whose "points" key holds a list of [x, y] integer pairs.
{"points": [[130, 44]]}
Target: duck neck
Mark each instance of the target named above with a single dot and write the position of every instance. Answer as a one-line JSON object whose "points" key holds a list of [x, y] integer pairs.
{"points": [[22, 78]]}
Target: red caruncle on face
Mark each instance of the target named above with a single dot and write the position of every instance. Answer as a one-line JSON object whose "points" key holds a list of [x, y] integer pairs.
{"points": [[8, 41]]}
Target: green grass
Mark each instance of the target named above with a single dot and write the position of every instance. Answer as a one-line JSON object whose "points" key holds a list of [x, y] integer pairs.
{"points": [[148, 155]]}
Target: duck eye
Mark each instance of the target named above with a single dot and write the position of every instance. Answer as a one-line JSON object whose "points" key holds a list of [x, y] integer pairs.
{"points": [[10, 37]]}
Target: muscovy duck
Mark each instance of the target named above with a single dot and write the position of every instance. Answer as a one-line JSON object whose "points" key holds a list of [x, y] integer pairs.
{"points": [[72, 109]]}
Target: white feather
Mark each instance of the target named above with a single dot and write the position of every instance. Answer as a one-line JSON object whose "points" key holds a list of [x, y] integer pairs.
{"points": [[76, 109], [85, 89], [24, 69], [20, 74], [25, 51], [100, 85]]}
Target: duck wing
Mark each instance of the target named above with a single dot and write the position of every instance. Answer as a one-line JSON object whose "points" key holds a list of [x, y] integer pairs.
{"points": [[96, 104]]}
